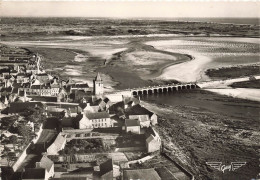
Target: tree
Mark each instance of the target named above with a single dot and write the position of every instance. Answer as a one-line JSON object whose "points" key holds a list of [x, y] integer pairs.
{"points": [[24, 131], [34, 114], [7, 154], [13, 139]]}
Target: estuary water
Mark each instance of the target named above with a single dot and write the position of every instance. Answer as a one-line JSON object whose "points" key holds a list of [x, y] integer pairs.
{"points": [[204, 100]]}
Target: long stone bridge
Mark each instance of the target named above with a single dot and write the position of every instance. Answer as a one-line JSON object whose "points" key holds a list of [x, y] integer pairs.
{"points": [[162, 88]]}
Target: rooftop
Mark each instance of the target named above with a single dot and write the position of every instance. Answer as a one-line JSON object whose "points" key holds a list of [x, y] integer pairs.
{"points": [[129, 122], [98, 115], [17, 107], [106, 167], [33, 173]]}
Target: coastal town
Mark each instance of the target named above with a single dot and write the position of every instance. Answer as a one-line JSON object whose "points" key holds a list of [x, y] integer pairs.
{"points": [[55, 128], [129, 90]]}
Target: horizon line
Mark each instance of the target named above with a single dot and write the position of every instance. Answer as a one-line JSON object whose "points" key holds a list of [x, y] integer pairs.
{"points": [[111, 17]]}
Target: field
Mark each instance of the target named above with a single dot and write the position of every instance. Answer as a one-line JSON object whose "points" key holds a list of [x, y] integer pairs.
{"points": [[197, 136], [247, 84], [233, 72], [33, 27]]}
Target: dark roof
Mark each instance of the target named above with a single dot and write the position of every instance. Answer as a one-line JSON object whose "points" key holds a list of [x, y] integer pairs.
{"points": [[26, 85], [33, 173], [129, 122], [64, 105], [138, 110], [15, 91], [106, 167], [98, 115], [100, 102], [106, 100], [21, 74], [8, 89], [36, 87], [130, 100], [17, 85], [44, 74], [79, 85], [43, 98], [17, 107]]}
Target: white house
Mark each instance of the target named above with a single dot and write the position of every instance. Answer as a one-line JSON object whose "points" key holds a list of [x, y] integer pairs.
{"points": [[153, 142], [143, 119], [132, 126], [57, 145], [48, 165], [95, 120]]}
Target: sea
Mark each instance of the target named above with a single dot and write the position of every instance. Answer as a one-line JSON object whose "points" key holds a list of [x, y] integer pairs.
{"points": [[250, 21]]}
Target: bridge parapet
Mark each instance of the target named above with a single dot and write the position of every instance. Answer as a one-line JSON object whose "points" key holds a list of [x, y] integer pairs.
{"points": [[162, 88]]}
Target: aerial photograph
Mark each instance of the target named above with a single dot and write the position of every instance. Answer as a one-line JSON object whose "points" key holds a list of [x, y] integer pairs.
{"points": [[129, 90]]}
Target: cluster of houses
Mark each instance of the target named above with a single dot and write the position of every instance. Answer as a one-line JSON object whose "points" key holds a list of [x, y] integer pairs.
{"points": [[76, 106]]}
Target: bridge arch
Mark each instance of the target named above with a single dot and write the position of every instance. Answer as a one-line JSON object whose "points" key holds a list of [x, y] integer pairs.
{"points": [[140, 92], [170, 89], [188, 86], [145, 91], [150, 91], [165, 90], [179, 87], [184, 87], [160, 90], [134, 93], [193, 86], [155, 91]]}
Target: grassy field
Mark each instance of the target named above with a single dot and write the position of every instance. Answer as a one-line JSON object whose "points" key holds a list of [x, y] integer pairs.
{"points": [[197, 136], [247, 84], [32, 27], [233, 72]]}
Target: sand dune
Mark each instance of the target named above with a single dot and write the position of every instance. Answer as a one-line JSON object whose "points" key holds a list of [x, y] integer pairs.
{"points": [[208, 53], [190, 71]]}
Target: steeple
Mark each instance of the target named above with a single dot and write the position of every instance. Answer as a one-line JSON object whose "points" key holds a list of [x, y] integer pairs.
{"points": [[98, 77], [98, 85]]}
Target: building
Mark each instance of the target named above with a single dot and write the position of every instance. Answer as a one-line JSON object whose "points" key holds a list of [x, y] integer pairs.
{"points": [[58, 144], [91, 109], [44, 90], [34, 174], [132, 126], [48, 165], [143, 119], [153, 142], [98, 86], [106, 170], [83, 87], [138, 174], [94, 120], [139, 110], [130, 101], [18, 107]]}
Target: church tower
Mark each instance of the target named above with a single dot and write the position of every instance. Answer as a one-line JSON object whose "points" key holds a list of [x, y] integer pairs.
{"points": [[98, 85]]}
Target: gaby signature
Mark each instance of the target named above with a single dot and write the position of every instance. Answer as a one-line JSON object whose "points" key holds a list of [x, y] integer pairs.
{"points": [[232, 167]]}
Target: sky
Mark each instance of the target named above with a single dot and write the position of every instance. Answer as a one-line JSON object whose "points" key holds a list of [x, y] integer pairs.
{"points": [[119, 9]]}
